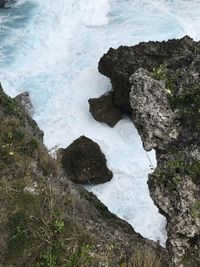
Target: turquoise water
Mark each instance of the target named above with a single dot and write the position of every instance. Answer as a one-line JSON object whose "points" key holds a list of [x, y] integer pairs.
{"points": [[52, 49]]}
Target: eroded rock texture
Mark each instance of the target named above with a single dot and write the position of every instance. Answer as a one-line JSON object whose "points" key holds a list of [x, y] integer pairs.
{"points": [[84, 162], [152, 115], [24, 100], [159, 83], [119, 64], [104, 110]]}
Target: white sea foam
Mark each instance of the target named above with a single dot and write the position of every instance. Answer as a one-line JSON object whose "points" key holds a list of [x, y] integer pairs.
{"points": [[52, 48]]}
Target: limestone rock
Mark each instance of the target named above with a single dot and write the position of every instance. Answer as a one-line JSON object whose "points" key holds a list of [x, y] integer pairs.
{"points": [[148, 98], [24, 100]]}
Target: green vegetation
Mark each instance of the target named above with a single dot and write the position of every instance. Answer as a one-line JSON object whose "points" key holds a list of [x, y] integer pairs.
{"points": [[184, 97], [179, 165], [196, 210], [45, 220], [37, 226], [188, 105], [169, 77], [11, 108]]}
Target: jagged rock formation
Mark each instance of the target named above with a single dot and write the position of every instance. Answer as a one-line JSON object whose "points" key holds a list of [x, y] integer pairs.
{"points": [[24, 100], [84, 162], [104, 110], [119, 64], [11, 107], [48, 221], [152, 115], [159, 82]]}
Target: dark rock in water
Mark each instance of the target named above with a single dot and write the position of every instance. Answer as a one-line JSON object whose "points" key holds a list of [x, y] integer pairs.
{"points": [[24, 100], [104, 110], [2, 3], [84, 162], [119, 64], [6, 3]]}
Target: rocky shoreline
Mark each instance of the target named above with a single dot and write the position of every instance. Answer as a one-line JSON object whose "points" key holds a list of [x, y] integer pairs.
{"points": [[158, 85], [46, 220]]}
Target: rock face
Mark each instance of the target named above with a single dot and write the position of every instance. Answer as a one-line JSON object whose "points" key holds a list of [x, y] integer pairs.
{"points": [[104, 110], [11, 107], [149, 102], [84, 162], [24, 100], [119, 64], [160, 84]]}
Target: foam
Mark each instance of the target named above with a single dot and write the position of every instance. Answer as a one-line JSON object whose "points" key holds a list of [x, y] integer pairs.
{"points": [[52, 48]]}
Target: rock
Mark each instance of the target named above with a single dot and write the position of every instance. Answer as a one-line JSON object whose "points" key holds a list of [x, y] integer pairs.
{"points": [[165, 104], [119, 64], [24, 100], [104, 110], [6, 3], [2, 3], [148, 98], [11, 107], [84, 162]]}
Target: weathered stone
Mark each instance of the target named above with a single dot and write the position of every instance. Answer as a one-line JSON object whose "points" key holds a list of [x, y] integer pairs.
{"points": [[24, 100], [104, 110], [152, 115], [119, 64], [11, 107], [84, 162], [166, 104]]}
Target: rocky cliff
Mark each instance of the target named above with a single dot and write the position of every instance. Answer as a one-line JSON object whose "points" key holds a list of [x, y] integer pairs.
{"points": [[158, 83], [46, 220]]}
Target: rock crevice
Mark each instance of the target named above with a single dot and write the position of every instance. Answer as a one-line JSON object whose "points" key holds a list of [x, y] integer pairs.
{"points": [[159, 84]]}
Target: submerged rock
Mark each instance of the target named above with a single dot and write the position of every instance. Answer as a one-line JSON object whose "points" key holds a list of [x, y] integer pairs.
{"points": [[84, 162], [104, 110], [24, 100]]}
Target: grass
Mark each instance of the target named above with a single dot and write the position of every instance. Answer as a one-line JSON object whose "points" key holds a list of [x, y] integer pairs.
{"points": [[45, 220], [143, 258]]}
